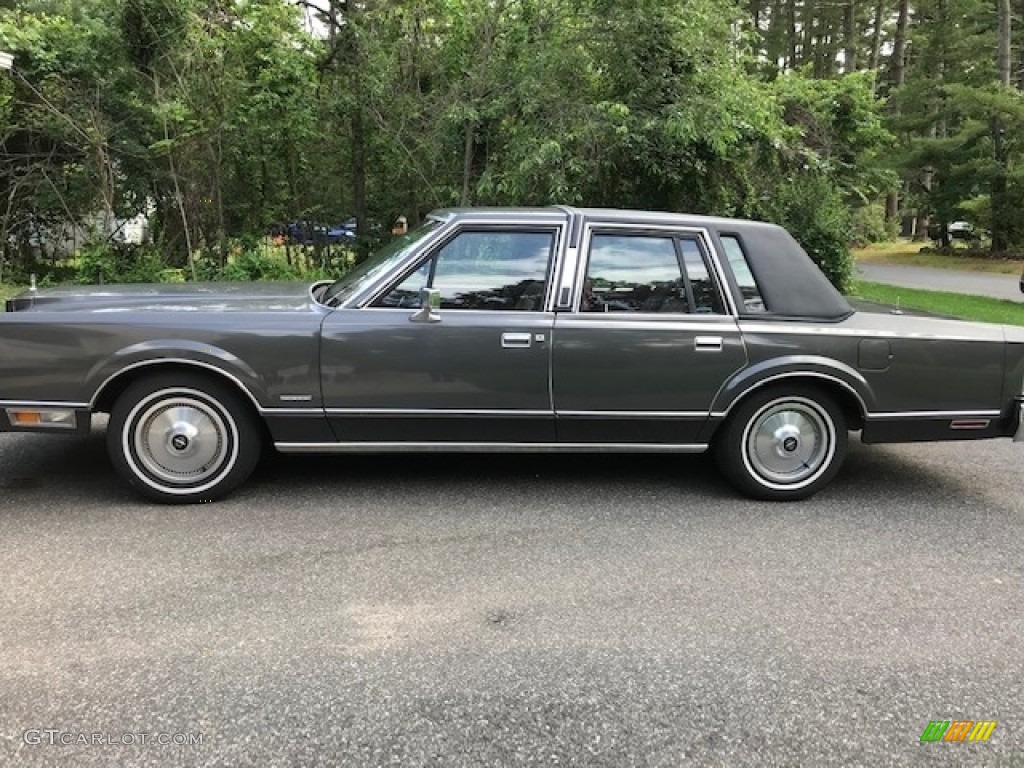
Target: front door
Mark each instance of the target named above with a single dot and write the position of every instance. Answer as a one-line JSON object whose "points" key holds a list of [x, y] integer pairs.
{"points": [[479, 375]]}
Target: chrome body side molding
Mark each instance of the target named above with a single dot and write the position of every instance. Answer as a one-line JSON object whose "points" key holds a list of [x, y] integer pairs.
{"points": [[446, 447]]}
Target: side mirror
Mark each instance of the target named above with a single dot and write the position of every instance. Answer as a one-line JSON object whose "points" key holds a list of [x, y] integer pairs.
{"points": [[430, 306]]}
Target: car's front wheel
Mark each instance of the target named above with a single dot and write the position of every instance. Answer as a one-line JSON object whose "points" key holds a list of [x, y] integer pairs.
{"points": [[182, 438], [783, 444]]}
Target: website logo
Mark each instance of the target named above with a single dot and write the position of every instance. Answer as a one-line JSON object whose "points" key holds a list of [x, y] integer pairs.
{"points": [[959, 730]]}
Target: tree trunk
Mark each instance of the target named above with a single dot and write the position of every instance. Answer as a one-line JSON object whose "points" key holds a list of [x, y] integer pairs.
{"points": [[898, 61], [850, 37], [876, 36], [358, 127], [898, 76], [1020, 61], [791, 15], [216, 172], [469, 136], [1005, 35], [179, 198], [1001, 213], [756, 8]]}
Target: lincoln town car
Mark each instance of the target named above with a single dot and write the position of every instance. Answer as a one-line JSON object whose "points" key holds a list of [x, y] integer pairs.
{"points": [[554, 329]]}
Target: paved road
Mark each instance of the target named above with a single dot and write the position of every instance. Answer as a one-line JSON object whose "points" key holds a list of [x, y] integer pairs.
{"points": [[981, 284], [494, 611]]}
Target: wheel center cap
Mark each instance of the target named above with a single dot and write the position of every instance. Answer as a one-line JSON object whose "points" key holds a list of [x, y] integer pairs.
{"points": [[790, 444], [179, 442]]}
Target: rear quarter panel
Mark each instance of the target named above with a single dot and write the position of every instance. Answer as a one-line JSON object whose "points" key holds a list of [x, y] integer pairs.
{"points": [[895, 363]]}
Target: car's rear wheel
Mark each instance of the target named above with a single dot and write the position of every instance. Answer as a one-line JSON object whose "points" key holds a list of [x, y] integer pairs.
{"points": [[782, 444], [182, 438]]}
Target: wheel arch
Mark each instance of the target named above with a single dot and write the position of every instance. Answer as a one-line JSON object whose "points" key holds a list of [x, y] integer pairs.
{"points": [[842, 392], [115, 384]]}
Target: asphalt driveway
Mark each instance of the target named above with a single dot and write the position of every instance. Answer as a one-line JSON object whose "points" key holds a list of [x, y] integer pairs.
{"points": [[497, 611], [931, 279]]}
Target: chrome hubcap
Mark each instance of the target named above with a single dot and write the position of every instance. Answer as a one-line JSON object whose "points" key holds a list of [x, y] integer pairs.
{"points": [[789, 442], [181, 440]]}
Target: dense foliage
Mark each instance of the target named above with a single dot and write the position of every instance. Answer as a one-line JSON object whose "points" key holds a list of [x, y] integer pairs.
{"points": [[219, 119]]}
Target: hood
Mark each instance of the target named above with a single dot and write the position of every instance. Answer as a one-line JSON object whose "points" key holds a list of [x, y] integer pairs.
{"points": [[167, 297]]}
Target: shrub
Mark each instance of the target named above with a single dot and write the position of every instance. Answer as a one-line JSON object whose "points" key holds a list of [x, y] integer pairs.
{"points": [[869, 225], [119, 263], [813, 211], [252, 265]]}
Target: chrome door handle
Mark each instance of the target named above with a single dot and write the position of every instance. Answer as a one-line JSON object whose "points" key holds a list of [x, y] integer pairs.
{"points": [[708, 343], [516, 340]]}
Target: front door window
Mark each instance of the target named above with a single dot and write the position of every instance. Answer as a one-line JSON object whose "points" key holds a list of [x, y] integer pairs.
{"points": [[488, 270]]}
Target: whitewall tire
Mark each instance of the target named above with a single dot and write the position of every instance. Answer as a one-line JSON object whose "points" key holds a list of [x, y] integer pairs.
{"points": [[182, 438], [783, 443]]}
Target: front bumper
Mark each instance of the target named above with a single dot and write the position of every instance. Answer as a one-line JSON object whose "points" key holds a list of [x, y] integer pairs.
{"points": [[49, 417]]}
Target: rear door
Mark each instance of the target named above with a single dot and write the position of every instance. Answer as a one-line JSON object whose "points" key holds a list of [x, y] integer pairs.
{"points": [[649, 342]]}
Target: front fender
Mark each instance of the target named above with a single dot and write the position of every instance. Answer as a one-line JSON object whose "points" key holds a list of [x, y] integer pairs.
{"points": [[181, 352]]}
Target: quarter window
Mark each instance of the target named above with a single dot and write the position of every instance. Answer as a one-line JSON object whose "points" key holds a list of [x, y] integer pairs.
{"points": [[492, 270], [752, 301]]}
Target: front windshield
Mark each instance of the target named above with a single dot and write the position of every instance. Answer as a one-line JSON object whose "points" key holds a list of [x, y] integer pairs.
{"points": [[379, 263]]}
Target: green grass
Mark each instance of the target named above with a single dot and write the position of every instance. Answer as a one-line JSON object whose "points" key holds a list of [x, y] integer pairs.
{"points": [[907, 253], [7, 291], [942, 303]]}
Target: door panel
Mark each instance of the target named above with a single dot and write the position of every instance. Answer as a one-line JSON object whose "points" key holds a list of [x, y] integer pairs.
{"points": [[388, 379], [640, 380]]}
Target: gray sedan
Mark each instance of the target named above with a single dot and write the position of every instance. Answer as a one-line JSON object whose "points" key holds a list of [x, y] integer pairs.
{"points": [[552, 329]]}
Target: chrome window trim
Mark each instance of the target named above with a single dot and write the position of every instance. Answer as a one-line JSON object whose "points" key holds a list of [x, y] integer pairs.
{"points": [[488, 312], [722, 324], [567, 280], [702, 233], [454, 447]]}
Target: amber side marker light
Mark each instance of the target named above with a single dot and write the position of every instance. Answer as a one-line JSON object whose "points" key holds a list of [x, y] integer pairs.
{"points": [[52, 418]]}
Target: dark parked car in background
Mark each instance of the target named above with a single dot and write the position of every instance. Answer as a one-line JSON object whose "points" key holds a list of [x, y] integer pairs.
{"points": [[312, 233], [554, 329]]}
